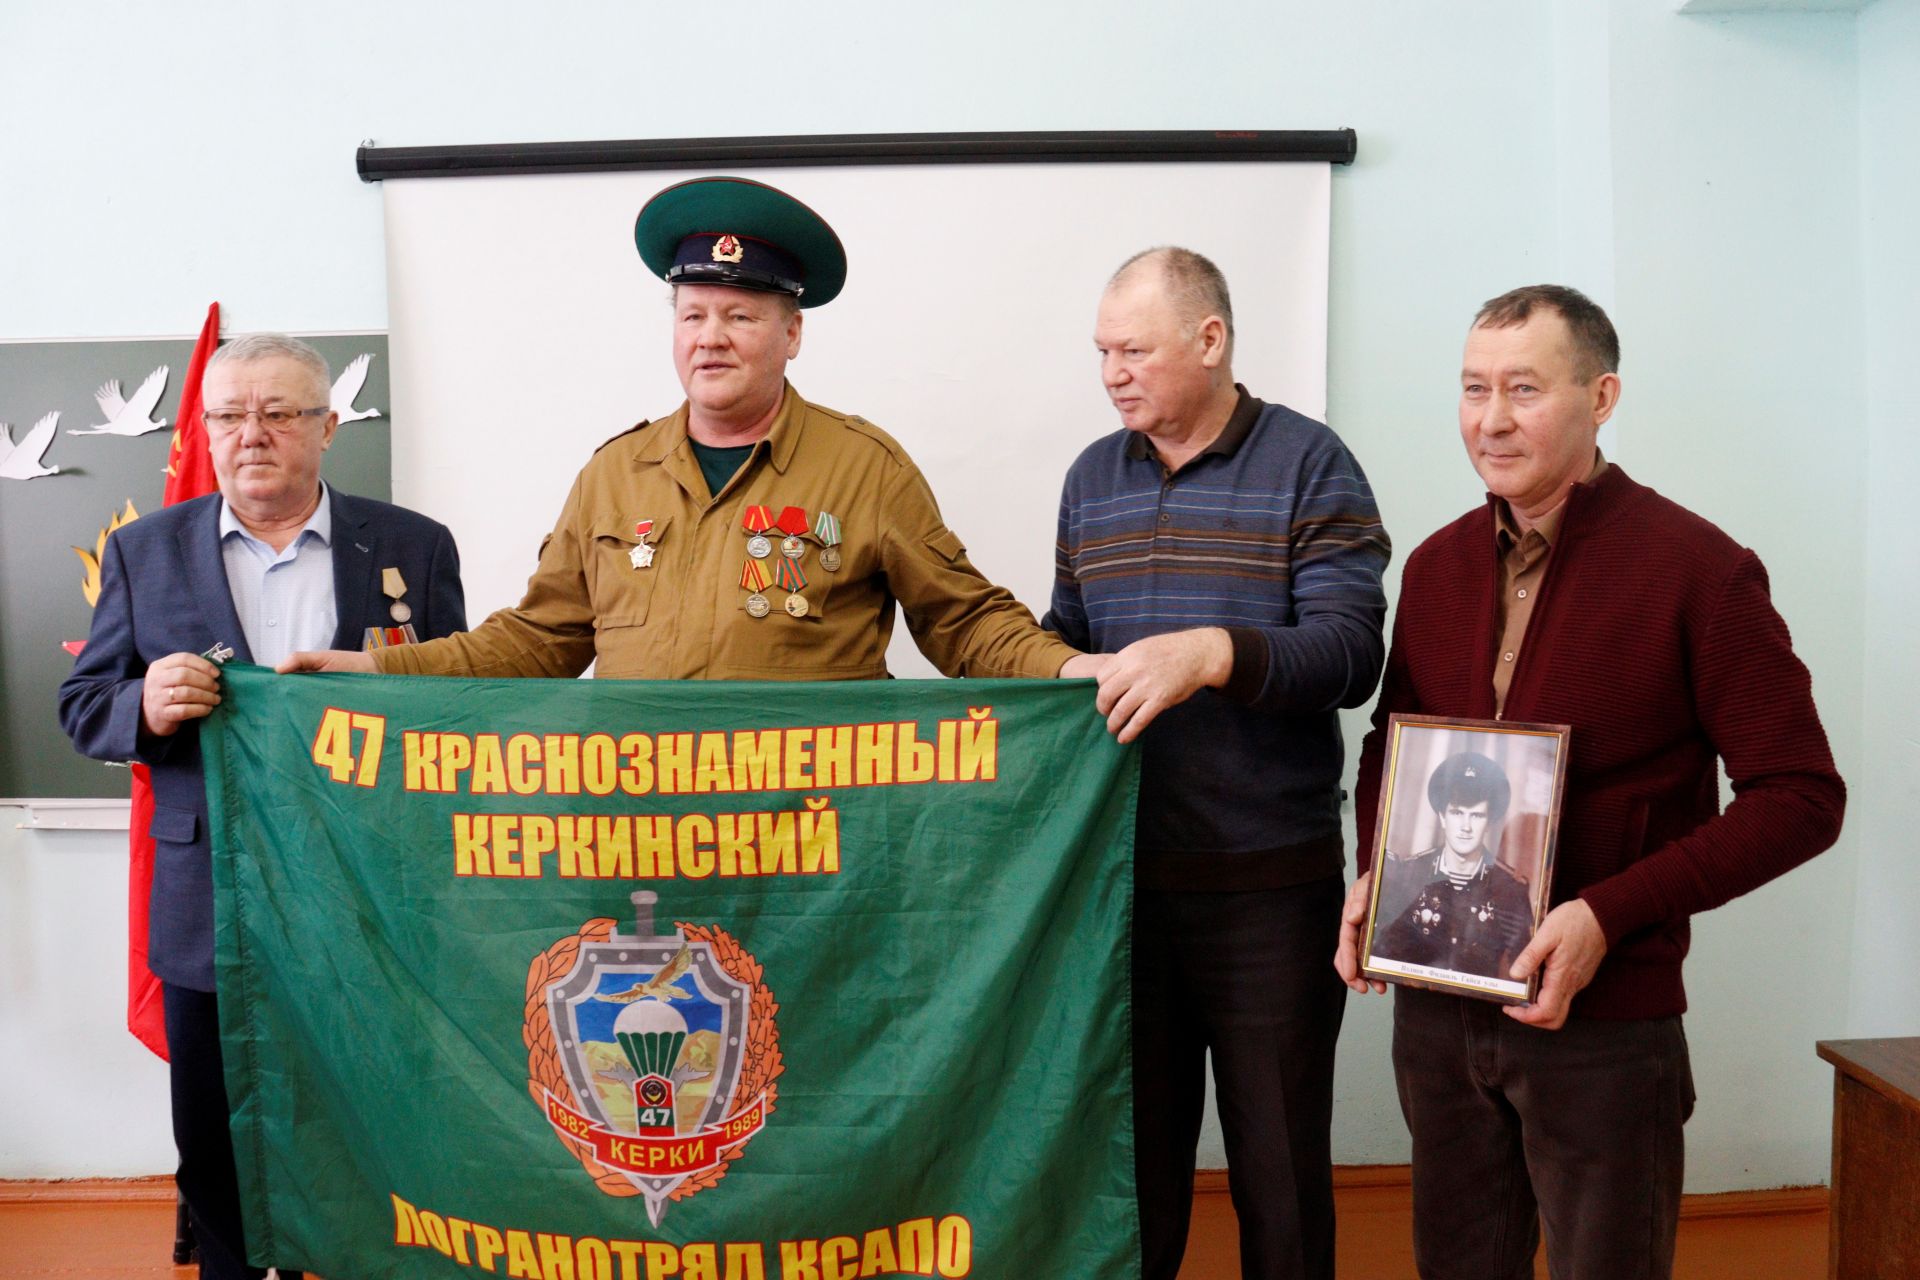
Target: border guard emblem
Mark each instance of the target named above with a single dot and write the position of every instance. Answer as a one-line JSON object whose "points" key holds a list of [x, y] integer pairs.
{"points": [[652, 1056]]}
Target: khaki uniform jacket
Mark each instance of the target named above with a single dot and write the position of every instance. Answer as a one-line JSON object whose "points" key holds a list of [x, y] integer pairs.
{"points": [[684, 616]]}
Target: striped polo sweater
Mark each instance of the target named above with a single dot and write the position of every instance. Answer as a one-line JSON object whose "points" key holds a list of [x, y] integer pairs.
{"points": [[1272, 534]]}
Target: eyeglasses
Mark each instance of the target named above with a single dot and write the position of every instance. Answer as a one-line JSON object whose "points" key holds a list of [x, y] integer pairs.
{"points": [[228, 420]]}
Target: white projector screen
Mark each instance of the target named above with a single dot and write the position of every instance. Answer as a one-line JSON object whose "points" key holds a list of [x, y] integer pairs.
{"points": [[525, 331]]}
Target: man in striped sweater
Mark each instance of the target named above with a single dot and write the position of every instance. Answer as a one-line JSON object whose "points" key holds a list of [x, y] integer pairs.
{"points": [[1226, 556], [1576, 596]]}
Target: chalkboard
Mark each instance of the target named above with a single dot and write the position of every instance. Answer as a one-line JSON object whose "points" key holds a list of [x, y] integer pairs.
{"points": [[42, 599]]}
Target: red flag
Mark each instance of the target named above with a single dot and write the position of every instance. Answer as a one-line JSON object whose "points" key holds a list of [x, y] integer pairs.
{"points": [[146, 1017], [190, 464], [189, 475]]}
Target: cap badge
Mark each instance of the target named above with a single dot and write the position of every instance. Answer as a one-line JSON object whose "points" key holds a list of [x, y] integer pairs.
{"points": [[727, 249]]}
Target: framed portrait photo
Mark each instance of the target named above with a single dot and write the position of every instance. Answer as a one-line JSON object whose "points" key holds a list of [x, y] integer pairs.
{"points": [[1463, 852]]}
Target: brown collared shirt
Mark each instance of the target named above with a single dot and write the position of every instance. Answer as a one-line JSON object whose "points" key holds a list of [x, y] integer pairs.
{"points": [[1523, 567]]}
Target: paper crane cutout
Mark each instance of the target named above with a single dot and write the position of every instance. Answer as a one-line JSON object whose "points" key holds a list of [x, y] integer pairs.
{"points": [[346, 389], [22, 461], [128, 417]]}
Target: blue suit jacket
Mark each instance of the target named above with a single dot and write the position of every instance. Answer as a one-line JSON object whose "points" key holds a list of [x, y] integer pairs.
{"points": [[163, 589]]}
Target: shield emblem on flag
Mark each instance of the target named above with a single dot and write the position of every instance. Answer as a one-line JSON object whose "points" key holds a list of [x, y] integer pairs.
{"points": [[650, 1036]]}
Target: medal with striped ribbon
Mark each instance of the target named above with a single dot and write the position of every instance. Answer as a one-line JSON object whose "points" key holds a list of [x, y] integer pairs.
{"points": [[754, 580], [827, 528], [792, 580], [756, 522]]}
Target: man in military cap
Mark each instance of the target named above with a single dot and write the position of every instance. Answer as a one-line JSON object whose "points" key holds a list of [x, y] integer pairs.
{"points": [[749, 535], [1468, 912]]}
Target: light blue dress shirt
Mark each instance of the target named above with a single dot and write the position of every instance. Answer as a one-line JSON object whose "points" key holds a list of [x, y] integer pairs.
{"points": [[284, 598]]}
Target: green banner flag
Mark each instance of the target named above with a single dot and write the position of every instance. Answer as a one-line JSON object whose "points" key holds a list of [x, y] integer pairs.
{"points": [[627, 980]]}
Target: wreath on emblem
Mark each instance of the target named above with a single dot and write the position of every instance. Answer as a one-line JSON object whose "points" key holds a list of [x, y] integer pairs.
{"points": [[760, 1066]]}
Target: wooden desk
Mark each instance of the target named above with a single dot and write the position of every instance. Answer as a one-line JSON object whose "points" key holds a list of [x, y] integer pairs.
{"points": [[1874, 1231]]}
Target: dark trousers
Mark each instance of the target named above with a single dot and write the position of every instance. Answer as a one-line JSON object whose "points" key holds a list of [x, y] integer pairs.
{"points": [[206, 1175], [1248, 976], [1513, 1127]]}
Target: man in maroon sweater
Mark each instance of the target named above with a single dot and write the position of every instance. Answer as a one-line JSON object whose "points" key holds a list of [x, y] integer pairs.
{"points": [[1576, 596]]}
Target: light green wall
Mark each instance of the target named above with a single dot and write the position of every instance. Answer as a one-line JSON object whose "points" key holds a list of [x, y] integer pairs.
{"points": [[1886, 942], [1736, 188]]}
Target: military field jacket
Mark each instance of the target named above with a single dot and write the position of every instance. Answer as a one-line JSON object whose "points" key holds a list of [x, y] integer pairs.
{"points": [[678, 609]]}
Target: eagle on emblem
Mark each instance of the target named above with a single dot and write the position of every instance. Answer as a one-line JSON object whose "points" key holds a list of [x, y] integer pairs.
{"points": [[659, 986]]}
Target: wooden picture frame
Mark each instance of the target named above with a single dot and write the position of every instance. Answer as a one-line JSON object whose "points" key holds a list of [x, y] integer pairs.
{"points": [[1469, 814]]}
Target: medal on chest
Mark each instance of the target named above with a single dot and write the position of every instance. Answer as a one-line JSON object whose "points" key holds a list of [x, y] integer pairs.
{"points": [[641, 557], [756, 522], [394, 587], [793, 523], [754, 580], [827, 529], [793, 580], [1428, 911], [786, 571]]}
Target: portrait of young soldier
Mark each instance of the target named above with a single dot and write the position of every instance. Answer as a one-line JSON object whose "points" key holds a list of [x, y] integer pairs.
{"points": [[1464, 910]]}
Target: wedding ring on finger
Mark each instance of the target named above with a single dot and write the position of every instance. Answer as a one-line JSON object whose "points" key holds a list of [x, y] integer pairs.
{"points": [[173, 693]]}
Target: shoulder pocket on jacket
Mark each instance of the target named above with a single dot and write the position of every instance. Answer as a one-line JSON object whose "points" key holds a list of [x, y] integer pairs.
{"points": [[948, 544]]}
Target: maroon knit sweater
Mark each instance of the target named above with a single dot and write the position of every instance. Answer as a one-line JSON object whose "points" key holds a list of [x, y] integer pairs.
{"points": [[1654, 637]]}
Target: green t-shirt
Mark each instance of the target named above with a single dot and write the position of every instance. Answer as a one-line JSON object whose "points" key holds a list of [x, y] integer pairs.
{"points": [[718, 463]]}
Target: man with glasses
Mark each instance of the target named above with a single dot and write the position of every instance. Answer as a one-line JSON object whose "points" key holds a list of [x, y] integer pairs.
{"points": [[275, 561]]}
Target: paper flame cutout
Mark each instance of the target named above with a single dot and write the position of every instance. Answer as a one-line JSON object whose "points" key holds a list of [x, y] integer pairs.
{"points": [[90, 583]]}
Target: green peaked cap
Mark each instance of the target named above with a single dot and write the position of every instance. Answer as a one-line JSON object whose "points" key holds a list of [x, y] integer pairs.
{"points": [[785, 246]]}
